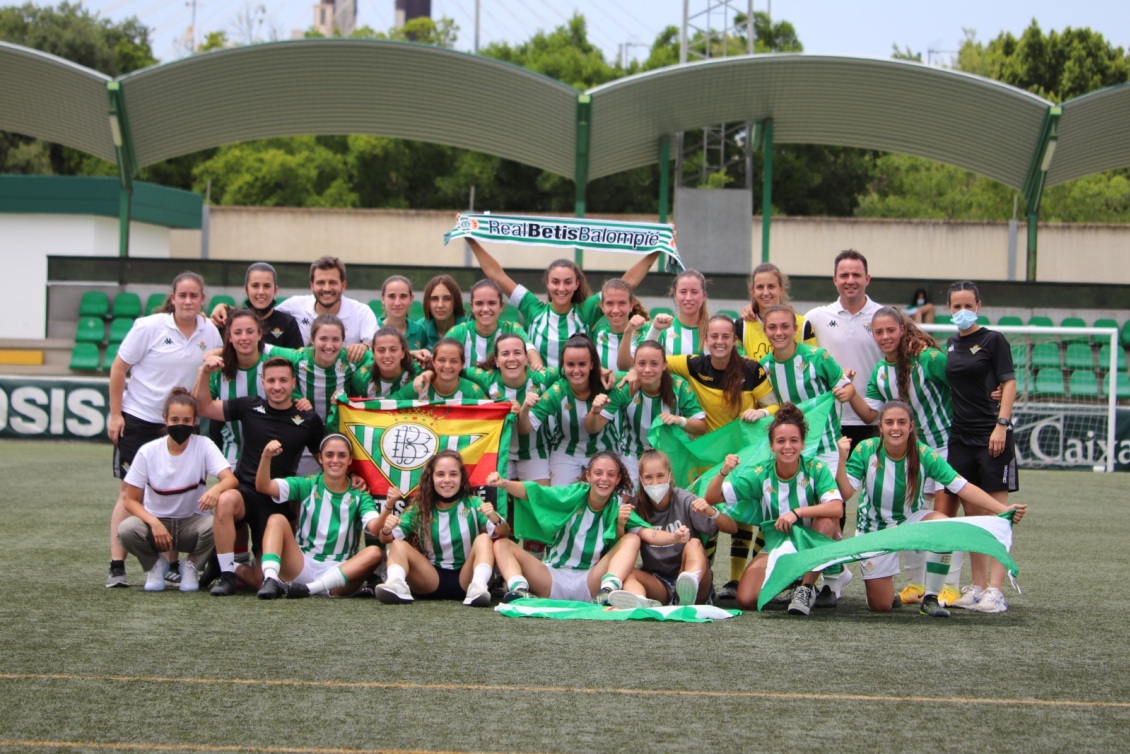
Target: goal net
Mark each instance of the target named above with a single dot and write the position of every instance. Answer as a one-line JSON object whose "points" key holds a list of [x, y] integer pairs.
{"points": [[1067, 389]]}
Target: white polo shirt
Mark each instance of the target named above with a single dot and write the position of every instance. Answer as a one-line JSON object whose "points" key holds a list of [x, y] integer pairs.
{"points": [[359, 320], [160, 359], [173, 484], [848, 338]]}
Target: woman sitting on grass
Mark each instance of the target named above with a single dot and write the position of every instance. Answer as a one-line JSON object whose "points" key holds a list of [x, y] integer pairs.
{"points": [[322, 557], [441, 548]]}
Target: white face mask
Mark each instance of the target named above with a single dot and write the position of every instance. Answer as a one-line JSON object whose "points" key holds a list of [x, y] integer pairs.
{"points": [[657, 491], [964, 319]]}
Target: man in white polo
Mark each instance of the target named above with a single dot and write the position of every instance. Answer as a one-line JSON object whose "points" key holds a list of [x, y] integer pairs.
{"points": [[327, 284]]}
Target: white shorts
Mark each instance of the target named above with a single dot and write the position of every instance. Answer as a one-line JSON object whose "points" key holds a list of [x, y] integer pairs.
{"points": [[313, 569], [632, 464], [569, 584], [529, 471], [565, 469], [888, 566], [930, 487]]}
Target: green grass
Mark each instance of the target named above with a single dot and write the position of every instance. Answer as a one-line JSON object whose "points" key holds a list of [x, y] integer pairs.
{"points": [[192, 672]]}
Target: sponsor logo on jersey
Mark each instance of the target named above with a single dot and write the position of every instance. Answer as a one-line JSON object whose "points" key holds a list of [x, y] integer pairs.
{"points": [[832, 323], [168, 341]]}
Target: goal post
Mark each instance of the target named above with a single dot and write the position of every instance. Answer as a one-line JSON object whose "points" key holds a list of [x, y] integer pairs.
{"points": [[1066, 393]]}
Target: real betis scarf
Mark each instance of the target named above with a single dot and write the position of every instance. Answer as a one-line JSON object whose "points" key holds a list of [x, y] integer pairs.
{"points": [[571, 232], [695, 461], [567, 610], [802, 550]]}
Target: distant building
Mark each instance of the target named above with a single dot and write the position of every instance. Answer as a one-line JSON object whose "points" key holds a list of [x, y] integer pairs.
{"points": [[335, 18], [406, 10]]}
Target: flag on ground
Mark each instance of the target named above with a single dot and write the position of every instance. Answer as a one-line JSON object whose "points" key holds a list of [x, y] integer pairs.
{"points": [[802, 550], [568, 610]]}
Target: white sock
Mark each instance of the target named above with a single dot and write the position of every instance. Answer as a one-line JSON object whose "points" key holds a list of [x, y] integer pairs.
{"points": [[914, 566], [395, 573], [227, 561], [330, 580], [270, 569], [954, 579], [482, 574], [937, 566], [518, 582]]}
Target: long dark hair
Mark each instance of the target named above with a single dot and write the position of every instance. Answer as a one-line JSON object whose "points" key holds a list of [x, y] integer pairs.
{"points": [[583, 341], [913, 461], [583, 291], [645, 506], [913, 342], [231, 359], [452, 287], [426, 497], [666, 381], [624, 486], [491, 361], [405, 358], [733, 377], [169, 307]]}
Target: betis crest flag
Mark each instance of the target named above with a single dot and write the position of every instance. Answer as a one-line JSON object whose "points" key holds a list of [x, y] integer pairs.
{"points": [[571, 232], [392, 440], [567, 610], [695, 461], [802, 550]]}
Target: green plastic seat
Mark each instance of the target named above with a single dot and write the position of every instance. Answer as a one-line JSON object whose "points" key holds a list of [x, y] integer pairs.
{"points": [[1010, 320], [1080, 356], [109, 356], [983, 320], [1041, 321], [729, 313], [154, 303], [510, 313], [1104, 322], [1046, 355], [219, 299], [1020, 358], [127, 304], [662, 310], [416, 310], [1049, 382], [90, 330], [1122, 386], [119, 328], [85, 357], [1124, 334], [94, 304], [942, 319], [1083, 384], [1024, 382], [1074, 322], [1104, 358], [377, 308]]}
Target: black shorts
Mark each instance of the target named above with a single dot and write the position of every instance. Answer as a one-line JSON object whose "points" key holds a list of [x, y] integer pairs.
{"points": [[448, 588], [135, 433], [257, 508], [970, 458], [859, 432]]}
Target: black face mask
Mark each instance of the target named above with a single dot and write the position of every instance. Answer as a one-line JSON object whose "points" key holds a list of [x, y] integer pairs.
{"points": [[446, 500], [180, 432]]}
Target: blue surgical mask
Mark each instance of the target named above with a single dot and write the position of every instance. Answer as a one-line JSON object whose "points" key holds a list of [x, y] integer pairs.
{"points": [[964, 319]]}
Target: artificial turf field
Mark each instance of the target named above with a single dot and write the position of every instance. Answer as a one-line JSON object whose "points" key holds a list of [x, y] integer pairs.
{"points": [[83, 668]]}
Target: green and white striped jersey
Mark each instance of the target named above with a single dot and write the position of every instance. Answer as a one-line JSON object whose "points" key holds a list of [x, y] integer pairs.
{"points": [[882, 483], [522, 447], [416, 335], [547, 328], [607, 344], [452, 534], [477, 347], [929, 394], [382, 388], [635, 412], [810, 373], [678, 339], [319, 384], [563, 416], [755, 493], [431, 333], [586, 534], [247, 383], [329, 523], [466, 391]]}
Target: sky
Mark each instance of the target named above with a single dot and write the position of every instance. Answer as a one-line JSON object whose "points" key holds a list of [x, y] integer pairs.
{"points": [[865, 28]]}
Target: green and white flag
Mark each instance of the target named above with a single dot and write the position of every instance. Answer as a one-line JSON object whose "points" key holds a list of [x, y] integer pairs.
{"points": [[568, 610], [571, 232], [802, 550], [695, 461]]}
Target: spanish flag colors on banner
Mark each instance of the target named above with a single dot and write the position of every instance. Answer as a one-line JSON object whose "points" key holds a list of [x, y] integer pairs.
{"points": [[392, 440]]}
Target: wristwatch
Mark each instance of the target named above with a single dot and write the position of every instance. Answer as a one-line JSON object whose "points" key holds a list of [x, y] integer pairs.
{"points": [[1004, 422]]}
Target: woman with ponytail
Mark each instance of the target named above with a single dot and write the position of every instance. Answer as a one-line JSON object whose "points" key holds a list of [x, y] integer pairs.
{"points": [[685, 333]]}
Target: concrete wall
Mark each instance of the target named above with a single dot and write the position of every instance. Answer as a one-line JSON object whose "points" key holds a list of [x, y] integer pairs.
{"points": [[27, 240], [800, 246]]}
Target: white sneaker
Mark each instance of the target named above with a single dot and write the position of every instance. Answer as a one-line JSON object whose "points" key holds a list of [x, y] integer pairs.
{"points": [[189, 578], [626, 600], [393, 592], [969, 597], [686, 589], [155, 576], [478, 595], [992, 601]]}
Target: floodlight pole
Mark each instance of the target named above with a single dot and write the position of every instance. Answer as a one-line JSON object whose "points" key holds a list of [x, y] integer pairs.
{"points": [[664, 177], [581, 165], [127, 164]]}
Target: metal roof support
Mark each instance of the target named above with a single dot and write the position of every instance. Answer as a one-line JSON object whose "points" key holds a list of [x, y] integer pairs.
{"points": [[127, 165], [581, 172], [664, 177], [764, 138], [1037, 177]]}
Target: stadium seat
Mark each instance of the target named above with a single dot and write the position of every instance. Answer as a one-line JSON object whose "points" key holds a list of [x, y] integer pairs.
{"points": [[217, 300], [942, 319], [1106, 322], [1122, 386], [1104, 358], [90, 330], [109, 356], [94, 304], [729, 313], [154, 303], [1074, 322], [983, 320], [1124, 335], [84, 357], [378, 308], [1020, 358], [1083, 384], [661, 310], [1049, 382], [1040, 322], [119, 328], [1046, 355], [127, 304], [1080, 356], [510, 313], [416, 310], [1024, 381], [1009, 320]]}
